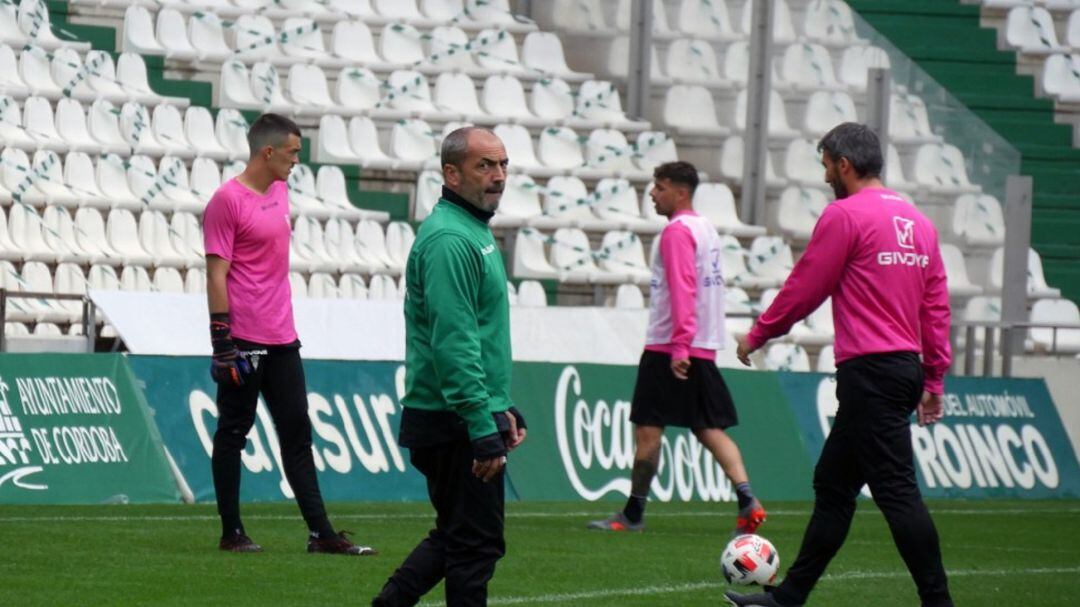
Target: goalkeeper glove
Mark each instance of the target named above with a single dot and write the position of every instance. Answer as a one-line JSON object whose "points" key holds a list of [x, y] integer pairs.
{"points": [[226, 366]]}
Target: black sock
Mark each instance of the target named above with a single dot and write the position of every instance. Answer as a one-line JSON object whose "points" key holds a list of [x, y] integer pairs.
{"points": [[321, 528], [635, 509], [231, 529], [744, 494]]}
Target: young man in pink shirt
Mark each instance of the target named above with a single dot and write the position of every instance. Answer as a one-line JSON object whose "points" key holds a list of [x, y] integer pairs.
{"points": [[246, 234], [678, 383], [877, 257]]}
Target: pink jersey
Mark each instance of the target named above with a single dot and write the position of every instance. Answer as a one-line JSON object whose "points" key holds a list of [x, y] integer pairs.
{"points": [[878, 258], [252, 231], [686, 306]]}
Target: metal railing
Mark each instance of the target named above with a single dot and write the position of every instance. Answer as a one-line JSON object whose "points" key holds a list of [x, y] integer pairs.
{"points": [[1011, 336], [88, 312]]}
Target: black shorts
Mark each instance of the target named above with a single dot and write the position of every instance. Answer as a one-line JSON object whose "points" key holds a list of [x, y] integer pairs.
{"points": [[661, 399]]}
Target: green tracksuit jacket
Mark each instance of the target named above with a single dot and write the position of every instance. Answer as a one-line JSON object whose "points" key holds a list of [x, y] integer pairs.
{"points": [[457, 320]]}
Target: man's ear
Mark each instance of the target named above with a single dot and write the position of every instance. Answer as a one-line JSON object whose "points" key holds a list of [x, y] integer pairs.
{"points": [[451, 174]]}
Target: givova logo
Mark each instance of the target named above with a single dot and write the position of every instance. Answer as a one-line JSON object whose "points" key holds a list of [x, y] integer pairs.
{"points": [[15, 448], [596, 447], [992, 453]]}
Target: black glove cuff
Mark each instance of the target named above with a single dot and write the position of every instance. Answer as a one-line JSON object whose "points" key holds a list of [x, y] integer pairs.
{"points": [[221, 332], [488, 447], [517, 417]]}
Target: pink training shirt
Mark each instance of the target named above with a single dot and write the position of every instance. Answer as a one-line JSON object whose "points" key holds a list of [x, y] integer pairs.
{"points": [[251, 231], [878, 258], [686, 310]]}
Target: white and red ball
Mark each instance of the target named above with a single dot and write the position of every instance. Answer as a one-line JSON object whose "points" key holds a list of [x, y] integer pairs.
{"points": [[750, 559]]}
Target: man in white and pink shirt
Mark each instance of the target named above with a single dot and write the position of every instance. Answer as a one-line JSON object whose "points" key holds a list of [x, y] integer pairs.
{"points": [[878, 258], [678, 383]]}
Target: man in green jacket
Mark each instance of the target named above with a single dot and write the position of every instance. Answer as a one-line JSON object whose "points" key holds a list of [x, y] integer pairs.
{"points": [[458, 421]]}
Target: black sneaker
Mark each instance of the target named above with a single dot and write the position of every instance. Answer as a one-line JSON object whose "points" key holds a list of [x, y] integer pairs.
{"points": [[238, 542], [763, 599], [338, 544]]}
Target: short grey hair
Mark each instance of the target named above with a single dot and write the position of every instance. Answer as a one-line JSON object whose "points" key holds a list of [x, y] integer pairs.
{"points": [[455, 146]]}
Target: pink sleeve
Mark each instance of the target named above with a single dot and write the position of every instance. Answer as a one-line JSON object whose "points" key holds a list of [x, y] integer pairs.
{"points": [[219, 227], [812, 280], [677, 250], [934, 320]]}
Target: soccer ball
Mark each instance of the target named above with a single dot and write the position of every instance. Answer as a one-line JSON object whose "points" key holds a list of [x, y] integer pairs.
{"points": [[750, 559]]}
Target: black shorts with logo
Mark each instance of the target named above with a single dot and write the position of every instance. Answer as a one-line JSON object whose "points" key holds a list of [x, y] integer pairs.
{"points": [[661, 399]]}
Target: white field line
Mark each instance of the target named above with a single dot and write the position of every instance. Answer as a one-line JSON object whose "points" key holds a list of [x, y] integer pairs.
{"points": [[693, 587], [720, 512]]}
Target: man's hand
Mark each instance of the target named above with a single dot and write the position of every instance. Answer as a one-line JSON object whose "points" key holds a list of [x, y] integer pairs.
{"points": [[930, 410], [487, 469], [227, 365], [744, 351], [515, 435], [680, 367]]}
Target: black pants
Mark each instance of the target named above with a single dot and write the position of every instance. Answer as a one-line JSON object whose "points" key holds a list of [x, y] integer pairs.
{"points": [[468, 536], [279, 376], [870, 443]]}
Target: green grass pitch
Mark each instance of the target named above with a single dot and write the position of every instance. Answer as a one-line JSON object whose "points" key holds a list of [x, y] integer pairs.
{"points": [[997, 553]]}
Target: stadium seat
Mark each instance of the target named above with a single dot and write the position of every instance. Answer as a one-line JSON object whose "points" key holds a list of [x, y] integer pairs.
{"points": [[71, 125], [307, 87], [155, 238], [382, 287], [409, 91], [799, 211], [543, 52], [1030, 29], [496, 51], [172, 36], [311, 243], [198, 129], [57, 230], [770, 258], [529, 260], [779, 129], [70, 280], [18, 309], [689, 111], [79, 175], [255, 39], [11, 128], [102, 278], [1055, 311], [303, 194], [321, 286], [353, 42], [520, 202], [807, 67], [978, 221], [364, 142], [138, 32], [232, 169], [503, 97], [802, 163], [530, 294], [941, 168], [352, 286], [621, 254], [11, 83], [895, 175], [560, 148], [135, 278], [168, 127], [340, 241], [574, 16], [36, 277], [413, 144], [519, 148], [783, 27], [136, 127], [450, 50], [168, 280], [648, 208], [1061, 74], [35, 23], [716, 202], [10, 32], [187, 238], [1036, 281], [710, 20], [830, 22], [652, 149], [69, 73], [302, 39], [122, 232], [826, 109], [552, 99], [25, 225], [195, 281], [690, 60], [574, 260], [399, 241], [568, 203], [297, 285], [266, 87], [234, 86], [16, 175], [371, 245], [48, 168], [786, 357], [428, 190], [111, 175], [39, 122], [207, 34], [231, 128], [607, 151], [857, 60], [981, 309], [826, 360], [359, 90], [614, 200], [331, 190], [599, 100], [909, 122], [90, 235], [401, 44], [131, 76], [456, 93], [731, 163]]}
